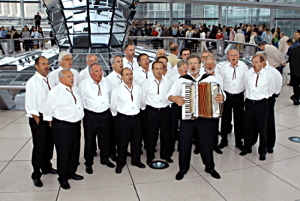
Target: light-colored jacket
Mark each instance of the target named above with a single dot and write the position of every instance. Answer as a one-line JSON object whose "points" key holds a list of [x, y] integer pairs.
{"points": [[283, 46]]}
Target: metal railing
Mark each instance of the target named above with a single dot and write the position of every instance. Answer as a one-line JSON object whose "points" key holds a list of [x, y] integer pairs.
{"points": [[248, 51]]}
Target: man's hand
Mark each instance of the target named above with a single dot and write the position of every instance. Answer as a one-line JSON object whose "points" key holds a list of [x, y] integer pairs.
{"points": [[50, 123], [36, 119], [179, 100], [284, 64], [219, 98]]}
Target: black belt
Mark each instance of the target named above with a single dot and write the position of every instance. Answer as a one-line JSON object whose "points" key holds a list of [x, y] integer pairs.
{"points": [[229, 94], [158, 109], [124, 115], [254, 102], [86, 110]]}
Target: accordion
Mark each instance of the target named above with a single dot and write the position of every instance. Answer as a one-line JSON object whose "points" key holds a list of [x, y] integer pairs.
{"points": [[200, 100]]}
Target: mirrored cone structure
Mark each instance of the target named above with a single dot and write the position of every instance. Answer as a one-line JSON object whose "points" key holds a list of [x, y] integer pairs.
{"points": [[90, 25]]}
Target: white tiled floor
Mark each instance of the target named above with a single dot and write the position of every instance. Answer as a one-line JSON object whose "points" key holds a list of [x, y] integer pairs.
{"points": [[243, 178]]}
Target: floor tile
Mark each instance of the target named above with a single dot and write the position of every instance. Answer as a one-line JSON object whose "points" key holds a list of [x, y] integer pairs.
{"points": [[22, 119], [283, 139], [103, 176], [10, 147], [16, 177], [3, 124], [32, 196], [9, 116], [227, 161], [16, 130], [195, 188], [287, 170], [286, 120], [105, 194], [3, 164], [291, 110], [280, 153], [254, 184]]}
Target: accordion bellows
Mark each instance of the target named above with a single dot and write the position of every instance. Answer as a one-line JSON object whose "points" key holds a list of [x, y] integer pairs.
{"points": [[200, 100]]}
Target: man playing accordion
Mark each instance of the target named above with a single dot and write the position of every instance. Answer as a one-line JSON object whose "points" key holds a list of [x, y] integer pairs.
{"points": [[203, 127]]}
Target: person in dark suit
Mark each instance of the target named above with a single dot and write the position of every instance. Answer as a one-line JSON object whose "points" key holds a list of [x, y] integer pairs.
{"points": [[37, 19]]}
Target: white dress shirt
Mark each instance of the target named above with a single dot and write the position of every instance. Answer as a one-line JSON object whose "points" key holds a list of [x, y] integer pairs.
{"points": [[133, 66], [54, 79], [265, 84], [126, 101], [93, 98], [62, 105], [233, 77], [202, 69], [154, 92], [140, 75], [84, 74], [277, 78], [37, 91], [115, 79]]}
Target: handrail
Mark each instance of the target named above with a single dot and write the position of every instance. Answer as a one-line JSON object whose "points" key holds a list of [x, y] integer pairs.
{"points": [[12, 87], [250, 49]]}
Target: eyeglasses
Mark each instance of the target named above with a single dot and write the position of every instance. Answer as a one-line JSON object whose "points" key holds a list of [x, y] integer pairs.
{"points": [[68, 59], [191, 63]]}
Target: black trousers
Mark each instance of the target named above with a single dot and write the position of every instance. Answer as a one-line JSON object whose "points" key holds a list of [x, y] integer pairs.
{"points": [[233, 103], [175, 117], [112, 137], [271, 130], [158, 120], [205, 131], [37, 24], [256, 120], [43, 145], [296, 86], [66, 137], [128, 130], [96, 124]]}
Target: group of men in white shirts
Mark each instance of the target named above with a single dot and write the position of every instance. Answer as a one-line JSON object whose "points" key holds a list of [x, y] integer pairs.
{"points": [[140, 101]]}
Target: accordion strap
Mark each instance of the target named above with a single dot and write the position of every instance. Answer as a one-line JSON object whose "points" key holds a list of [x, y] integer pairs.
{"points": [[204, 76], [188, 77]]}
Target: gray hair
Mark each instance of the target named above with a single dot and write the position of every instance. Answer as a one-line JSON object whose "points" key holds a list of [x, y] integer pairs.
{"points": [[231, 50], [112, 60], [62, 55], [205, 61], [181, 62], [205, 51], [93, 64], [61, 73], [262, 53], [90, 55]]}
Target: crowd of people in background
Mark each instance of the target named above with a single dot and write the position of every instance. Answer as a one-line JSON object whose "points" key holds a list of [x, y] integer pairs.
{"points": [[246, 33]]}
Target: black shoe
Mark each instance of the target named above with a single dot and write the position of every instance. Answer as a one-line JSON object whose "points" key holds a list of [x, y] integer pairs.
{"points": [[113, 158], [222, 145], [139, 165], [168, 160], [179, 175], [245, 152], [262, 157], [270, 150], [149, 162], [38, 183], [108, 163], [213, 173], [118, 170], [196, 151], [296, 102], [89, 170], [95, 153], [64, 184], [128, 153], [75, 177], [219, 151], [52, 171], [241, 147]]}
